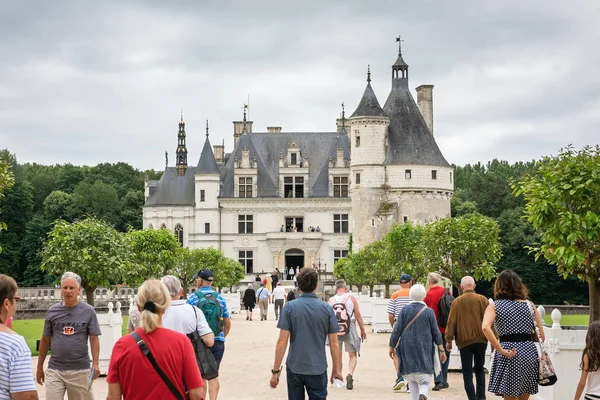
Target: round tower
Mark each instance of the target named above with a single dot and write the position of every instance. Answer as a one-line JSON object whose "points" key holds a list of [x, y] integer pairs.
{"points": [[368, 140]]}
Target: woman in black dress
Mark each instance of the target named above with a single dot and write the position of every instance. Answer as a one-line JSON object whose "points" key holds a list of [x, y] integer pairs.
{"points": [[514, 370], [249, 301]]}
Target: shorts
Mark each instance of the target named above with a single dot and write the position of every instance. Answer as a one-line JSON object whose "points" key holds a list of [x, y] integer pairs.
{"points": [[218, 349], [346, 340]]}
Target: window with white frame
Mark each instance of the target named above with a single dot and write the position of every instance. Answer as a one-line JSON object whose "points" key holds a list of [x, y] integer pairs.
{"points": [[340, 223], [179, 233], [433, 174], [340, 186], [207, 227], [407, 174], [202, 195], [246, 258], [294, 158], [357, 179], [293, 186], [339, 254], [245, 224], [245, 186]]}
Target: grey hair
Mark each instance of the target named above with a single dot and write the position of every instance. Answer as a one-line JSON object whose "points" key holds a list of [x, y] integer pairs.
{"points": [[249, 286], [467, 281], [433, 278], [173, 284], [340, 284], [71, 275], [417, 292]]}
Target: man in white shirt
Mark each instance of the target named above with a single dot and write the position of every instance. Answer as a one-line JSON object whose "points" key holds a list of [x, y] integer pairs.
{"points": [[279, 299], [183, 317]]}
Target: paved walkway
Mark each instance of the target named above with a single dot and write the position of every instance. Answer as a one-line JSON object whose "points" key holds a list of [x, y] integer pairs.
{"points": [[245, 371]]}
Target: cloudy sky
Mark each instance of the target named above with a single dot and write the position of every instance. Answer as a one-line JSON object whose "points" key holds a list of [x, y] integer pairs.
{"points": [[87, 82]]}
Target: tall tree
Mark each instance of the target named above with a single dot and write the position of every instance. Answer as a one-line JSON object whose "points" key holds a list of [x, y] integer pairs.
{"points": [[98, 200], [406, 249], [563, 204], [6, 182], [57, 205], [467, 245], [91, 248]]}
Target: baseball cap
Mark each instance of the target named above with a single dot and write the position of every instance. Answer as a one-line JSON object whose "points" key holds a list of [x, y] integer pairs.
{"points": [[205, 275], [405, 278]]}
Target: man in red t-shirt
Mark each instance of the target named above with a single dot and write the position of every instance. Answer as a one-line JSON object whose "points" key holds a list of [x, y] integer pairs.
{"points": [[435, 291]]}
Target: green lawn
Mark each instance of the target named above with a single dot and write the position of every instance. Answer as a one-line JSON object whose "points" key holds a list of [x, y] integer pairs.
{"points": [[578, 319], [31, 330]]}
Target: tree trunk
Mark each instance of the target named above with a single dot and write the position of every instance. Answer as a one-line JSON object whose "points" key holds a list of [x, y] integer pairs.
{"points": [[359, 287], [89, 294], [371, 287], [594, 286], [387, 290]]}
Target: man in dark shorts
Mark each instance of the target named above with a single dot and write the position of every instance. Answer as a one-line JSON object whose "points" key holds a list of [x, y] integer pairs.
{"points": [[306, 323], [204, 280]]}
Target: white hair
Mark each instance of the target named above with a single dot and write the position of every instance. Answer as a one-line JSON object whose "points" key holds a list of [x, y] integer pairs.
{"points": [[71, 275], [433, 278], [173, 285], [467, 281], [417, 292]]}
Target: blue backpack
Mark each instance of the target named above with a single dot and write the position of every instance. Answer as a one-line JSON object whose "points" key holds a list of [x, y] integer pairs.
{"points": [[211, 307]]}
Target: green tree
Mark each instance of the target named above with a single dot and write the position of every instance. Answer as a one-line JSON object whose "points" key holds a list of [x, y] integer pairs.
{"points": [[153, 253], [57, 205], [6, 182], [70, 176], [36, 232], [131, 209], [460, 246], [563, 205], [187, 264], [228, 273], [91, 248], [98, 200], [406, 249]]}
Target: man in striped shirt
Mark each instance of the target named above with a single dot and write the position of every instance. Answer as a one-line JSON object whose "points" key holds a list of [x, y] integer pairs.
{"points": [[399, 299]]}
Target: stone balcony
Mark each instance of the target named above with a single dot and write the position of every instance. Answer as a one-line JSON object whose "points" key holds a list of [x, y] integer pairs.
{"points": [[294, 235]]}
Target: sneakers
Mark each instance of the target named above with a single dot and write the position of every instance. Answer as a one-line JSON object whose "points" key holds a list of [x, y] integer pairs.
{"points": [[399, 385], [422, 397], [438, 386], [445, 386], [349, 382]]}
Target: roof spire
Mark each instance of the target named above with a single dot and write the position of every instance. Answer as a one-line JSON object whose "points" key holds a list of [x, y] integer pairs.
{"points": [[181, 116], [343, 118], [369, 73], [244, 131], [166, 159], [207, 129], [399, 40]]}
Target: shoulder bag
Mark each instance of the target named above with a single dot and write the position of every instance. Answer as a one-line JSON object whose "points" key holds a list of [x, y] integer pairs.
{"points": [[142, 345], [546, 374], [409, 324], [204, 357]]}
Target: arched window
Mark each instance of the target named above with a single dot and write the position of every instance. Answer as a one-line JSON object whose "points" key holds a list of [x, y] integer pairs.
{"points": [[150, 226], [163, 226], [179, 233]]}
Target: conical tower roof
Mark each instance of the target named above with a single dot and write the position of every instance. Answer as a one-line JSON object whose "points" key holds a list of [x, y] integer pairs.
{"points": [[207, 164], [369, 105]]}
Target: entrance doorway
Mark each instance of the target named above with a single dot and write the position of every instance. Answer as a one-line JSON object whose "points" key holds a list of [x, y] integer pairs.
{"points": [[294, 258]]}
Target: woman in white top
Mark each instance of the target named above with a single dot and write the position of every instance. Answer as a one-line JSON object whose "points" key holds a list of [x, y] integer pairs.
{"points": [[590, 365], [16, 379]]}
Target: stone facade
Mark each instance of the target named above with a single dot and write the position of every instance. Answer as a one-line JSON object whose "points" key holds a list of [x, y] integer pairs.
{"points": [[257, 204]]}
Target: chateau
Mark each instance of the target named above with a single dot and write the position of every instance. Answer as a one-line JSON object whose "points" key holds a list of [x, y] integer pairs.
{"points": [[286, 199]]}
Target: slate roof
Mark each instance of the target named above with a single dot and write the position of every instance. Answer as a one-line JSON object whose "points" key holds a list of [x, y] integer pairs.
{"points": [[207, 163], [173, 190], [368, 106]]}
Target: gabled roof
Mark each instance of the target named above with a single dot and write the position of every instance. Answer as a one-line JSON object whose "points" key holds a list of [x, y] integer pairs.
{"points": [[173, 190], [409, 139], [207, 164], [369, 105]]}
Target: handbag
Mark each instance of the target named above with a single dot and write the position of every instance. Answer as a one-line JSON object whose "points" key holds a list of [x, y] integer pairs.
{"points": [[204, 357], [142, 345], [546, 374]]}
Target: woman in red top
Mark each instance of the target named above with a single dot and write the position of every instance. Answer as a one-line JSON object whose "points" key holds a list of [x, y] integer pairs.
{"points": [[131, 375]]}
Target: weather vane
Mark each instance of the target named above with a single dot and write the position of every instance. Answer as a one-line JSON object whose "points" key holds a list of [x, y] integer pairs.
{"points": [[399, 40]]}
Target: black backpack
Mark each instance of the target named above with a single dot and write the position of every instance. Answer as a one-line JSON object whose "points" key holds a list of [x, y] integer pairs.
{"points": [[205, 359], [444, 307]]}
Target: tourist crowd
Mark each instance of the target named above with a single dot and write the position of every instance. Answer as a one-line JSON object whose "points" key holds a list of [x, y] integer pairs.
{"points": [[175, 347]]}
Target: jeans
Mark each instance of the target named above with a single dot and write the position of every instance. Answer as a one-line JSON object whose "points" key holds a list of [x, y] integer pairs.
{"points": [[476, 352], [443, 376], [316, 386]]}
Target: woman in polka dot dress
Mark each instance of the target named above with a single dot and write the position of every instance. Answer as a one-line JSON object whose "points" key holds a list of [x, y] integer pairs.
{"points": [[514, 371]]}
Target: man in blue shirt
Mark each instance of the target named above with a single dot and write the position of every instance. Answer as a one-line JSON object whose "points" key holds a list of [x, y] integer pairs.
{"points": [[204, 280], [306, 323]]}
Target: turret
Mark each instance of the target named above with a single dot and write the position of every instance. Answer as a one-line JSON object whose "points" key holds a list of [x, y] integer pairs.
{"points": [[181, 152]]}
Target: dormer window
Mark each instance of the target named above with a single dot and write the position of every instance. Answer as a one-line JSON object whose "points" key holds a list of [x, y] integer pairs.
{"points": [[340, 186], [294, 158], [245, 186], [293, 186]]}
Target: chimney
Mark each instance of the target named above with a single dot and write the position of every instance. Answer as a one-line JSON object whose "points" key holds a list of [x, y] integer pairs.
{"points": [[238, 127], [425, 104], [274, 129], [341, 123], [219, 150]]}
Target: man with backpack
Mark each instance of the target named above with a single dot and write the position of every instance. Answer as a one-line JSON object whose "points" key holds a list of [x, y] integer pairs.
{"points": [[439, 299], [216, 313], [347, 314]]}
